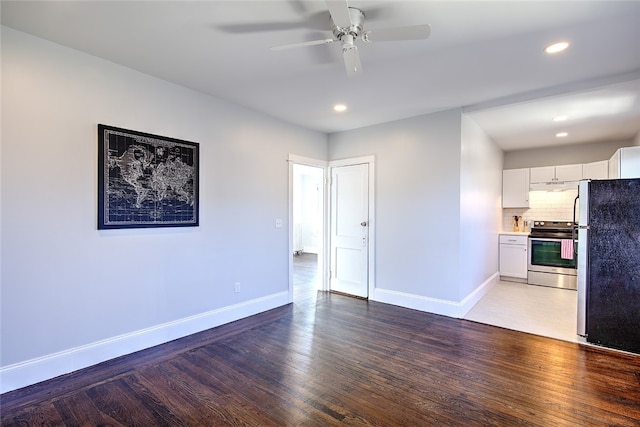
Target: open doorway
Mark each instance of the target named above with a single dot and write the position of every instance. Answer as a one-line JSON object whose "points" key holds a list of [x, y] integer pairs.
{"points": [[307, 230]]}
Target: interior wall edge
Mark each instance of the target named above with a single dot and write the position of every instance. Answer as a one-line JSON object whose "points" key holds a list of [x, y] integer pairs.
{"points": [[456, 309]]}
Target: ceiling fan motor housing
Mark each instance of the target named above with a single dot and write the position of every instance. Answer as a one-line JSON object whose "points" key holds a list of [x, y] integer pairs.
{"points": [[356, 27]]}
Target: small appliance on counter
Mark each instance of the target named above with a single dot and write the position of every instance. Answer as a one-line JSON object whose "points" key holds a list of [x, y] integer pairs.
{"points": [[609, 263], [552, 254]]}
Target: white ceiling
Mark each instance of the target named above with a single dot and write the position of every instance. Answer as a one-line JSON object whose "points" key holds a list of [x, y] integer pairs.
{"points": [[483, 56]]}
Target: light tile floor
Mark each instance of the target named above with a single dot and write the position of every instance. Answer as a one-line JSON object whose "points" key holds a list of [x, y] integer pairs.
{"points": [[550, 312]]}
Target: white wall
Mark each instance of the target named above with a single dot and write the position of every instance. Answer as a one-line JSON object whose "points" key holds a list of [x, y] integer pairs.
{"points": [[71, 294], [307, 208], [417, 200], [480, 206], [312, 210], [425, 168]]}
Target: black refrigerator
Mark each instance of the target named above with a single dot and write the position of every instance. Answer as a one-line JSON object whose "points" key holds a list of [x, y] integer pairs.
{"points": [[609, 263]]}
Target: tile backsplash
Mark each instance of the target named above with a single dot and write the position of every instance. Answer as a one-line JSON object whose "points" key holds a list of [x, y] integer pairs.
{"points": [[544, 205]]}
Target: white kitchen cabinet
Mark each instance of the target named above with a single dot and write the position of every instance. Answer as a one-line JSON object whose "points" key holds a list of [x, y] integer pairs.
{"points": [[625, 163], [515, 188], [542, 174], [614, 165], [596, 170], [569, 173], [552, 174], [513, 256]]}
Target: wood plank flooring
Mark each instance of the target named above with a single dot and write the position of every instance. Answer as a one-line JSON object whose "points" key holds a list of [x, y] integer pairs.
{"points": [[335, 360], [305, 276]]}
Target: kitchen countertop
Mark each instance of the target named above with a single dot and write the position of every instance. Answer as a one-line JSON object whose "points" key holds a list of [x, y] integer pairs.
{"points": [[514, 233]]}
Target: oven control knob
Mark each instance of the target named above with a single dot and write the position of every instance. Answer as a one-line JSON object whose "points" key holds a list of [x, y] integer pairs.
{"points": [[541, 222]]}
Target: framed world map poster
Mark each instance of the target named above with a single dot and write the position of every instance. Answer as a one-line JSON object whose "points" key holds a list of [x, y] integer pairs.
{"points": [[146, 180]]}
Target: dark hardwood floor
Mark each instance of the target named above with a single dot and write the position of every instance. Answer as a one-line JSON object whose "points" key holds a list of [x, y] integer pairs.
{"points": [[335, 360]]}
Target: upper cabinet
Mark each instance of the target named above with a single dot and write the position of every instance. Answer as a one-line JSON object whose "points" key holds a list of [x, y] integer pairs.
{"points": [[625, 163], [554, 174], [516, 183], [515, 188], [542, 174], [549, 178], [569, 173], [596, 170]]}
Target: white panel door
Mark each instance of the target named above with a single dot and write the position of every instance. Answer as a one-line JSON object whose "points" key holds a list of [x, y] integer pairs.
{"points": [[350, 229]]}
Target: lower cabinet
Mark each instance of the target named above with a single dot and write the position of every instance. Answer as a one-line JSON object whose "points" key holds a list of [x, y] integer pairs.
{"points": [[513, 257]]}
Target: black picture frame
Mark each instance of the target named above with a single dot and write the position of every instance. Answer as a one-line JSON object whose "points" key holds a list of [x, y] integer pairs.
{"points": [[146, 180]]}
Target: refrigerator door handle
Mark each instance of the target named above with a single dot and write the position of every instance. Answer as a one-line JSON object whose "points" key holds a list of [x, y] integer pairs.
{"points": [[582, 263], [583, 202], [583, 279], [573, 224]]}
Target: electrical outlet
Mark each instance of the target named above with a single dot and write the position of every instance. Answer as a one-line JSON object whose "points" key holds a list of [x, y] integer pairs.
{"points": [[278, 223], [236, 287]]}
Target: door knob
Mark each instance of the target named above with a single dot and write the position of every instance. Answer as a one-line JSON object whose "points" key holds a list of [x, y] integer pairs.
{"points": [[363, 223]]}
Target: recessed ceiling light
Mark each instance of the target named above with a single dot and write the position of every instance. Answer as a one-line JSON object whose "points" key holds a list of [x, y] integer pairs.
{"points": [[339, 108], [556, 47], [560, 118], [561, 134]]}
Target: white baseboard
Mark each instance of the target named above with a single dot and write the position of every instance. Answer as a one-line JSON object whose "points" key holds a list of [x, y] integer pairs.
{"points": [[32, 371], [444, 307]]}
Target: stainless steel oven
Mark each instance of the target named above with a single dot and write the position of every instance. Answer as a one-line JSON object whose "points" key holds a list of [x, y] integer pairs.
{"points": [[552, 254]]}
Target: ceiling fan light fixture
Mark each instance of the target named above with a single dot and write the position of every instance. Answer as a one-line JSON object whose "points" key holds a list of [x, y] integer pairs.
{"points": [[556, 47], [339, 108], [347, 42], [561, 134]]}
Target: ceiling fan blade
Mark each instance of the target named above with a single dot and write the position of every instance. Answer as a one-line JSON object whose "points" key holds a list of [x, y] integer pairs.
{"points": [[316, 21], [262, 27], [303, 44], [339, 10], [414, 32], [352, 61]]}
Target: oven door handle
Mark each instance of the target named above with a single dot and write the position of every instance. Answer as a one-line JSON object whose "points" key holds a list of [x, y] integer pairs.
{"points": [[549, 239]]}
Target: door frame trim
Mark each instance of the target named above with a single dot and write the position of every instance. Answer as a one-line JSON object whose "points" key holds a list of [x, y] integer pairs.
{"points": [[369, 160], [323, 265]]}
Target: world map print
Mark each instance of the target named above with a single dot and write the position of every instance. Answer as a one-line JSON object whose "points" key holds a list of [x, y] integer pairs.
{"points": [[146, 180]]}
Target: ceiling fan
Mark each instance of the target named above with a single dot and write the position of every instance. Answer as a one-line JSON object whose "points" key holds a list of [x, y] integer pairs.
{"points": [[348, 26]]}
